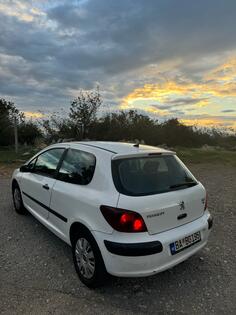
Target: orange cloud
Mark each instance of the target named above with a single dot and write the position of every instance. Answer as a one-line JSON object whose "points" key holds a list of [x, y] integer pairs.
{"points": [[219, 82], [157, 111], [34, 115], [23, 11], [218, 122], [224, 72]]}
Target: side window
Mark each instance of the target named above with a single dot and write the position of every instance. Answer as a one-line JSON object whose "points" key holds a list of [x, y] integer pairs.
{"points": [[47, 162], [31, 164], [77, 167]]}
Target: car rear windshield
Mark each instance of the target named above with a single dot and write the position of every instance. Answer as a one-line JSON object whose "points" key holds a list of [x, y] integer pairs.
{"points": [[141, 176]]}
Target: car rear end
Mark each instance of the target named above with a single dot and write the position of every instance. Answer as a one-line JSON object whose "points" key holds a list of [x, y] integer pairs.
{"points": [[161, 217]]}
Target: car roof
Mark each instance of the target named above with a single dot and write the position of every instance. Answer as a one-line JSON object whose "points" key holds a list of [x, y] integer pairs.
{"points": [[121, 148]]}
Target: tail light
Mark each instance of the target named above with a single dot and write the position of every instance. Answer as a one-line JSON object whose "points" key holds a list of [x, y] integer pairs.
{"points": [[206, 202], [123, 220]]}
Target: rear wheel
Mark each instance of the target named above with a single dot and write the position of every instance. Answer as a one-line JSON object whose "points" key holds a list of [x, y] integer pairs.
{"points": [[88, 260], [17, 200]]}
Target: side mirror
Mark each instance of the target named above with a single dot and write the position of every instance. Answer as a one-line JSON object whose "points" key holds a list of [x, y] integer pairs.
{"points": [[24, 169]]}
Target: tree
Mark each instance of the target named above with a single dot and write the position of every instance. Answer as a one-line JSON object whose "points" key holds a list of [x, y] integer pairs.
{"points": [[83, 111], [58, 126], [28, 132], [9, 115], [125, 125]]}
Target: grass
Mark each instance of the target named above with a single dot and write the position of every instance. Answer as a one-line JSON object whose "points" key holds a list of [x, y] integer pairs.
{"points": [[8, 155], [212, 156], [9, 160]]}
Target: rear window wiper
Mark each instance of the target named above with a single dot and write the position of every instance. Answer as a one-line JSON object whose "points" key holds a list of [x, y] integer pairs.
{"points": [[188, 184]]}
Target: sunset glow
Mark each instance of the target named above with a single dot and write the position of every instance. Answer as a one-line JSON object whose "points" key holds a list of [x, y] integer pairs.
{"points": [[34, 115], [163, 59], [211, 95]]}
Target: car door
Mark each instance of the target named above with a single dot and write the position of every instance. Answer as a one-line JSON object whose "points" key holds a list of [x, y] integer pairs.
{"points": [[36, 185], [71, 189]]}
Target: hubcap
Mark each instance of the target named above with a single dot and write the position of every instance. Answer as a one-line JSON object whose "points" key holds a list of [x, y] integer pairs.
{"points": [[85, 258], [17, 199]]}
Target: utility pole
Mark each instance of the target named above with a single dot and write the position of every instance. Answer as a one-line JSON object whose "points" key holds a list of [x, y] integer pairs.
{"points": [[16, 135], [82, 130]]}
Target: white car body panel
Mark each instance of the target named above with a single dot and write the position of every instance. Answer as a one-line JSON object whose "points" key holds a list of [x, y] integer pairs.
{"points": [[32, 184], [142, 266], [160, 211], [84, 201], [81, 203]]}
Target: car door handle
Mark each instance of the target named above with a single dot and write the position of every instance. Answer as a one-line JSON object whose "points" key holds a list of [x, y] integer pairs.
{"points": [[45, 186], [182, 216]]}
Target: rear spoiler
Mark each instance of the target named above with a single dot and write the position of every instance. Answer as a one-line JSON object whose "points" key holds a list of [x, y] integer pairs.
{"points": [[142, 154]]}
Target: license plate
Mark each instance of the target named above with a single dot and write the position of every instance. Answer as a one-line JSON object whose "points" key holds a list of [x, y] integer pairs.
{"points": [[185, 242]]}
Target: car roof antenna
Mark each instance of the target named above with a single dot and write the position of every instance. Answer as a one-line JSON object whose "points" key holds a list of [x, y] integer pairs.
{"points": [[136, 145]]}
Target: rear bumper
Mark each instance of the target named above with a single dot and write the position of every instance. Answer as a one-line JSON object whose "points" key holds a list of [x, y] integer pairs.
{"points": [[141, 254], [134, 249]]}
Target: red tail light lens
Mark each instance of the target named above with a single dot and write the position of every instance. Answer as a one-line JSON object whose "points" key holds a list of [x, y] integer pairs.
{"points": [[123, 220], [138, 224]]}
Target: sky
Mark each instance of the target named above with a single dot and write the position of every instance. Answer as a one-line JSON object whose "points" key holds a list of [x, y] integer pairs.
{"points": [[165, 58]]}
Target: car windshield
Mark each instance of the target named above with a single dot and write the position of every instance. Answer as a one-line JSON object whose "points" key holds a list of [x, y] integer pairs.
{"points": [[150, 175]]}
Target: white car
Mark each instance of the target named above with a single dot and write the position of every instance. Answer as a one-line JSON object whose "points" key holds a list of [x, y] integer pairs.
{"points": [[127, 210]]}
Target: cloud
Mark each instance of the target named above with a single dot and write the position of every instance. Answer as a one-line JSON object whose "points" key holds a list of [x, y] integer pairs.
{"points": [[224, 72], [158, 55], [187, 101], [210, 121], [181, 91], [228, 111], [22, 10]]}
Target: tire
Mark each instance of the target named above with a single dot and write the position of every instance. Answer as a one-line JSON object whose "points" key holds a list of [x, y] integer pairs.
{"points": [[88, 260], [17, 200]]}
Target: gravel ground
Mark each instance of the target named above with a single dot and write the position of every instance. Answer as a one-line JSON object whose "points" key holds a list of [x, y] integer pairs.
{"points": [[37, 274]]}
